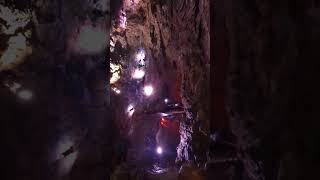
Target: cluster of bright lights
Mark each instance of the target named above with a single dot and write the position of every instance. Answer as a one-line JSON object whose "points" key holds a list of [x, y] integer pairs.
{"points": [[115, 71], [148, 90], [138, 74], [163, 114], [116, 90]]}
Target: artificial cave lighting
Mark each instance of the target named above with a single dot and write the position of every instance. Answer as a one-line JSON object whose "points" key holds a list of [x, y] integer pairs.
{"points": [[115, 73], [116, 90], [138, 74], [148, 90], [130, 110]]}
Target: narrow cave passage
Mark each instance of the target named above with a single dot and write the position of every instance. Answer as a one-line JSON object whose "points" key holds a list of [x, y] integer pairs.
{"points": [[160, 86]]}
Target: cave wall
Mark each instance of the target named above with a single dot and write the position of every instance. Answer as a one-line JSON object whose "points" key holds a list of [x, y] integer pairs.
{"points": [[67, 75], [183, 39], [273, 93], [176, 36]]}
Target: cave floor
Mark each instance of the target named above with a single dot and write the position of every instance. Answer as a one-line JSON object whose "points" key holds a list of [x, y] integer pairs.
{"points": [[142, 160]]}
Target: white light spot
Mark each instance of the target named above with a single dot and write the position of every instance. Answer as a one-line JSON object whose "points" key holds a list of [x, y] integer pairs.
{"points": [[148, 90], [115, 71], [159, 150], [166, 100], [164, 114], [131, 113], [138, 74], [116, 90], [25, 94], [130, 110]]}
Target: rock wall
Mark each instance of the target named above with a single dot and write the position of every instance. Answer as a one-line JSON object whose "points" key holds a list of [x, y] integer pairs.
{"points": [[176, 36], [66, 73], [272, 86]]}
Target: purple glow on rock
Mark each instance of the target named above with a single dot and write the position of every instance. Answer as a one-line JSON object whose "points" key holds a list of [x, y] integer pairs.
{"points": [[138, 74]]}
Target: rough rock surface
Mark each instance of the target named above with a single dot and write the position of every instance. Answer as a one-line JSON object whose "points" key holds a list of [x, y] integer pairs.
{"points": [[268, 52], [175, 35], [272, 85], [70, 107]]}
